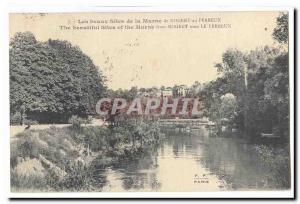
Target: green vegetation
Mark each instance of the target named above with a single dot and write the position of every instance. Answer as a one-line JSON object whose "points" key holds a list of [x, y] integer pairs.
{"points": [[67, 159], [281, 32], [51, 81], [277, 161], [55, 82], [78, 121], [259, 81]]}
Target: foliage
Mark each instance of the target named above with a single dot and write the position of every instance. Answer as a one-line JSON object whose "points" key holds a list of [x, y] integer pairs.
{"points": [[73, 157], [95, 138], [29, 174], [142, 129], [30, 122], [228, 106], [277, 162], [76, 121], [52, 80], [281, 31], [259, 81], [16, 118]]}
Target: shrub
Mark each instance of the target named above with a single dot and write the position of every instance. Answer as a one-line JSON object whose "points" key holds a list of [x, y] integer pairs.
{"points": [[88, 120], [76, 121], [16, 119], [30, 122], [277, 162]]}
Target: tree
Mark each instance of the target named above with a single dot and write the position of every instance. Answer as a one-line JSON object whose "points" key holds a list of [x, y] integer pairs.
{"points": [[195, 89], [276, 94], [281, 31], [228, 106], [259, 80], [52, 80]]}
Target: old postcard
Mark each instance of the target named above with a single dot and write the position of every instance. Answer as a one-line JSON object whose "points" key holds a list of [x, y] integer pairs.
{"points": [[185, 102]]}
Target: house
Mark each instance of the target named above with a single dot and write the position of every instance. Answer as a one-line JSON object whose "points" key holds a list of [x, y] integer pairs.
{"points": [[182, 90], [166, 92], [149, 93]]}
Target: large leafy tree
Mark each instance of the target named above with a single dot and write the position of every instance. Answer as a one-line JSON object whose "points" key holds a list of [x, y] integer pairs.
{"points": [[281, 32], [259, 81], [50, 81]]}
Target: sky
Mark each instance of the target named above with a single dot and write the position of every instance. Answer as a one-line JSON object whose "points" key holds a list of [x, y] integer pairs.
{"points": [[147, 58]]}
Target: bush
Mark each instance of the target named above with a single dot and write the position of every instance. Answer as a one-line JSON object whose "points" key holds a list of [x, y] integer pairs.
{"points": [[30, 122], [277, 162], [16, 119], [76, 121], [88, 120], [95, 137], [81, 154]]}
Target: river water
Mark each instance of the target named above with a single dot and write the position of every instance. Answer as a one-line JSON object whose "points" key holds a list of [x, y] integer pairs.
{"points": [[191, 161]]}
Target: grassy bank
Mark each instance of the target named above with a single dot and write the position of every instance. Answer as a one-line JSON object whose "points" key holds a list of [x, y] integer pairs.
{"points": [[65, 159], [276, 161]]}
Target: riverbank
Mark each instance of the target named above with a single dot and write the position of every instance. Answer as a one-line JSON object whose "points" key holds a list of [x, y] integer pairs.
{"points": [[65, 158], [97, 159], [15, 129]]}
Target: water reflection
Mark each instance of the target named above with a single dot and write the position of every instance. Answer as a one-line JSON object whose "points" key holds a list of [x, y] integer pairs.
{"points": [[191, 162]]}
